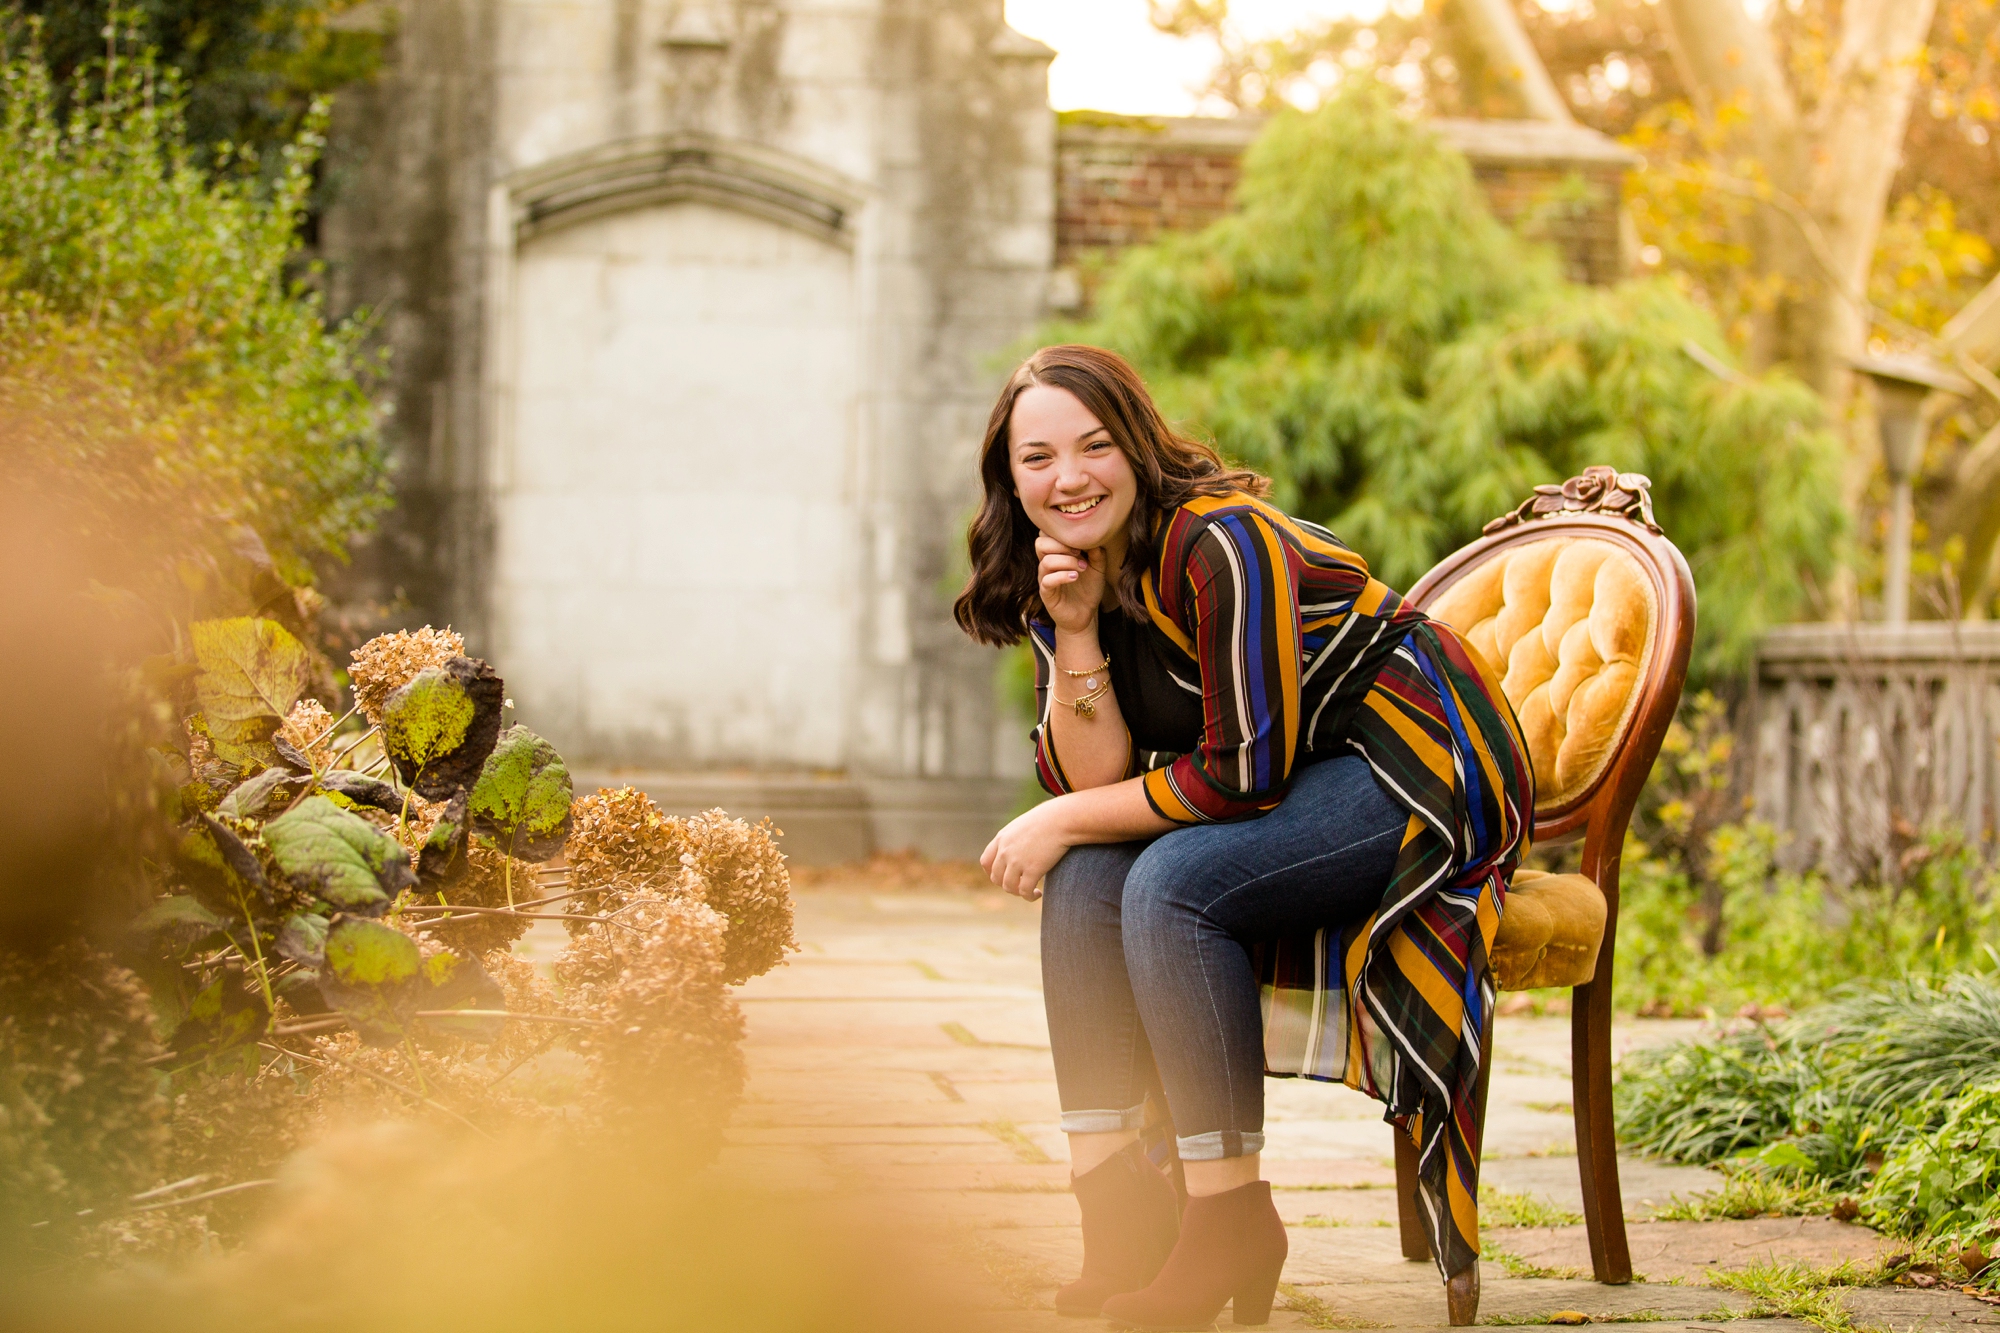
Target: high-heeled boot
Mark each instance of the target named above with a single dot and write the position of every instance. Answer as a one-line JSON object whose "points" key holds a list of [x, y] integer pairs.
{"points": [[1131, 1216], [1232, 1248]]}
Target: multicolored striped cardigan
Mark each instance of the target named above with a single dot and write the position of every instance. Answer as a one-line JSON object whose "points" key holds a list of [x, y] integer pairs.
{"points": [[1302, 654]]}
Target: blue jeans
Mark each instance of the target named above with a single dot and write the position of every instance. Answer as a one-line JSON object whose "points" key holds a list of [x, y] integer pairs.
{"points": [[1146, 966]]}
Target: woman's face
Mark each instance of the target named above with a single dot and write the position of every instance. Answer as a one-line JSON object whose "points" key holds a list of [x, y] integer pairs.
{"points": [[1075, 484]]}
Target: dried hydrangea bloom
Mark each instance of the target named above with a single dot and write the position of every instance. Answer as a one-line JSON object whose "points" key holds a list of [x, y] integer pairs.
{"points": [[387, 662], [747, 882], [668, 1056], [483, 884], [306, 723], [622, 844]]}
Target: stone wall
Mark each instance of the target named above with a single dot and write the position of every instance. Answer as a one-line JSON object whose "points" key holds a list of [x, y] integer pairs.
{"points": [[693, 306], [1121, 180]]}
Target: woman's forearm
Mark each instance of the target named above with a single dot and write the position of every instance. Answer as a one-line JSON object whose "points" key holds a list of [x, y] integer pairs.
{"points": [[1118, 812], [1095, 750]]}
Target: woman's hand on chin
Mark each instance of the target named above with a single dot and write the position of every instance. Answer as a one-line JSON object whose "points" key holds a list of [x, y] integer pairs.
{"points": [[1072, 584], [1028, 848]]}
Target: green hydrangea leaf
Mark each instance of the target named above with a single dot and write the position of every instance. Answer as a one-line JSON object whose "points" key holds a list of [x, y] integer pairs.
{"points": [[175, 925], [378, 978], [303, 939], [367, 970], [248, 799], [440, 727], [523, 797], [252, 672], [221, 1026], [338, 856]]}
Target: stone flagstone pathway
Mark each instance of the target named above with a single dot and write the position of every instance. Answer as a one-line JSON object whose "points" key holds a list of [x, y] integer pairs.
{"points": [[903, 1055]]}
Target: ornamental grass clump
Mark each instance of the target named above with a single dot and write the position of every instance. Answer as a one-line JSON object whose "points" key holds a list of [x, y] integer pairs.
{"points": [[1883, 1098]]}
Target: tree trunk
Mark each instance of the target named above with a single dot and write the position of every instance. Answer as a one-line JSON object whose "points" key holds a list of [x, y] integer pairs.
{"points": [[1857, 133], [1497, 27], [1832, 167]]}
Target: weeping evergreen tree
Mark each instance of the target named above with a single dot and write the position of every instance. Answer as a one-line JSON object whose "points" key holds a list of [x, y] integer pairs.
{"points": [[1405, 368]]}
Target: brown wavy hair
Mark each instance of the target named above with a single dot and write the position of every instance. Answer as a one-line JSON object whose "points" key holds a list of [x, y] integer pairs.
{"points": [[1172, 469]]}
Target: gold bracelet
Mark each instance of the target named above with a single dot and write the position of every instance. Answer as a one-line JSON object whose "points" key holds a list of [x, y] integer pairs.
{"points": [[1086, 705], [1105, 665]]}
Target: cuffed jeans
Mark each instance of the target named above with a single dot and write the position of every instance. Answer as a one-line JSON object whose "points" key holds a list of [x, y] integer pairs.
{"points": [[1146, 965]]}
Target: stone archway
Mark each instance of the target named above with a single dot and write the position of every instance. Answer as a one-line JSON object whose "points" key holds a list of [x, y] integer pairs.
{"points": [[675, 581]]}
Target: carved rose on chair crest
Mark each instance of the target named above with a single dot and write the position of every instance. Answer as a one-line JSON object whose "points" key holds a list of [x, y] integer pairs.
{"points": [[1600, 490]]}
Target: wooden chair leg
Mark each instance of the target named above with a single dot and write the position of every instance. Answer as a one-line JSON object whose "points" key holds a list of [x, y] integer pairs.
{"points": [[1416, 1242], [1596, 1140]]}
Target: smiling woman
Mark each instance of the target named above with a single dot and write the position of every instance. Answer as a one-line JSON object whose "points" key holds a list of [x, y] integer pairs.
{"points": [[1276, 784]]}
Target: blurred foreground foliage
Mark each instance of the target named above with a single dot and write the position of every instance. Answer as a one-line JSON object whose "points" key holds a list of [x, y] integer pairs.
{"points": [[1405, 368], [157, 329]]}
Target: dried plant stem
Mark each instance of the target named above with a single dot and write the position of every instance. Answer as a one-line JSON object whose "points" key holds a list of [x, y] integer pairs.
{"points": [[353, 746], [205, 1194], [333, 728], [509, 1013], [386, 1081]]}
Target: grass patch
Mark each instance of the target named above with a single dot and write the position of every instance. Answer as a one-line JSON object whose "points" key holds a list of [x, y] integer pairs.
{"points": [[925, 970], [1552, 1108], [1801, 1291], [1316, 1312], [1516, 1266], [1542, 1320], [1752, 1194], [1503, 1208], [1025, 1148]]}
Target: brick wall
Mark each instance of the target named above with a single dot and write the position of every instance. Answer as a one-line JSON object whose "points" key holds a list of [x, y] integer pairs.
{"points": [[1121, 181]]}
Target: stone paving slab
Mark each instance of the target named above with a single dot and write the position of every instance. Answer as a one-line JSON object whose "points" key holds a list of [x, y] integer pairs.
{"points": [[900, 1060]]}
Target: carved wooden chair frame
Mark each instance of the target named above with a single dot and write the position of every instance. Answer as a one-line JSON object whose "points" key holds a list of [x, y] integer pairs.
{"points": [[1614, 508]]}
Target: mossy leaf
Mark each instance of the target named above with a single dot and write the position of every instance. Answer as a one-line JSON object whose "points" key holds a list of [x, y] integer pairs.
{"points": [[457, 981], [339, 857], [252, 672], [240, 863], [222, 1025], [523, 797], [378, 978], [368, 968], [439, 728]]}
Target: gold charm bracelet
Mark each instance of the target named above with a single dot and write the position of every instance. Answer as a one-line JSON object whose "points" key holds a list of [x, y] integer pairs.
{"points": [[1096, 683]]}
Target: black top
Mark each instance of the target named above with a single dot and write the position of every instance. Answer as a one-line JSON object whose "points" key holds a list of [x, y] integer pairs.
{"points": [[1158, 687]]}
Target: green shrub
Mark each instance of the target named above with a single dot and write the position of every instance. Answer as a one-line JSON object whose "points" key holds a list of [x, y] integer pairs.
{"points": [[170, 304], [1945, 1184], [1788, 940], [1404, 368]]}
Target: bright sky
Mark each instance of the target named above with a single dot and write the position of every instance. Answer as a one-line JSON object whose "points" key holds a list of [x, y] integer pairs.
{"points": [[1109, 58]]}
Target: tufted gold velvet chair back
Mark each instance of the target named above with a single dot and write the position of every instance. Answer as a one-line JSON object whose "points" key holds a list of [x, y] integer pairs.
{"points": [[1569, 622], [1586, 613]]}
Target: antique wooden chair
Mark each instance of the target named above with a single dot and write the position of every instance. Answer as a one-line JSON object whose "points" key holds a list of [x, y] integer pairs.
{"points": [[1587, 611]]}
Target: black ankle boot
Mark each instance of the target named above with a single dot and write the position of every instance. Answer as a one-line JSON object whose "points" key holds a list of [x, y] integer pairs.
{"points": [[1131, 1217]]}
